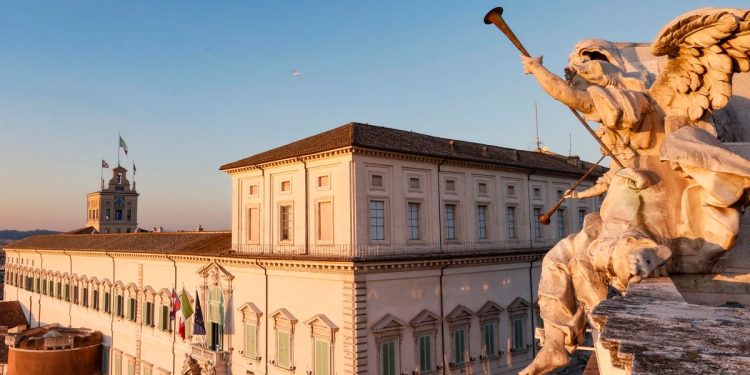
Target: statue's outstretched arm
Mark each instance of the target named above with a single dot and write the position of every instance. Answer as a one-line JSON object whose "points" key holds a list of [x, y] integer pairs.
{"points": [[557, 87], [601, 187]]}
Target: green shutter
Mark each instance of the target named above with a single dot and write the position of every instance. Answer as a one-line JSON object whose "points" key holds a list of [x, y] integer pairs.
{"points": [[425, 353], [284, 349], [322, 357], [250, 348], [459, 346], [518, 334], [388, 358]]}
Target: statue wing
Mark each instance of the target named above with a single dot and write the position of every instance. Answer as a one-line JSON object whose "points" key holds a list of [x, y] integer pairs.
{"points": [[704, 48]]}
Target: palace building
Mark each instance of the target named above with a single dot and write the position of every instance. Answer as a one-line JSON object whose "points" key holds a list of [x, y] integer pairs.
{"points": [[362, 249]]}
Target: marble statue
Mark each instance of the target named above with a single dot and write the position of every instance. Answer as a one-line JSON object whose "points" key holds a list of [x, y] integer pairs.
{"points": [[675, 205]]}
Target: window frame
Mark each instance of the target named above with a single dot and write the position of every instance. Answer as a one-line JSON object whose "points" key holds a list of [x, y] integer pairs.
{"points": [[384, 218]]}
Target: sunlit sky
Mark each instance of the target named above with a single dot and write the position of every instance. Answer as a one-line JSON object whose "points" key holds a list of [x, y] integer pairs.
{"points": [[193, 85]]}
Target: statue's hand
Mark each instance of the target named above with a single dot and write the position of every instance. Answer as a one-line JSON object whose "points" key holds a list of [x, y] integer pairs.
{"points": [[570, 193], [645, 263], [530, 64]]}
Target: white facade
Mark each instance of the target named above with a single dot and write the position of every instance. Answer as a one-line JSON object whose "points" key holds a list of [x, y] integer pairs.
{"points": [[343, 261]]}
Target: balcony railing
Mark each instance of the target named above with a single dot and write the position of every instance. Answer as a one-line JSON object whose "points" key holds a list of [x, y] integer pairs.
{"points": [[391, 250], [206, 355]]}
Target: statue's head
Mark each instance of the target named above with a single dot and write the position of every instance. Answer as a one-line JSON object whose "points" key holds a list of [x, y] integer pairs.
{"points": [[599, 62]]}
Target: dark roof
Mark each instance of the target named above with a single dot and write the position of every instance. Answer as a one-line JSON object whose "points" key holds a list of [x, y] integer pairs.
{"points": [[187, 243], [402, 141], [11, 314]]}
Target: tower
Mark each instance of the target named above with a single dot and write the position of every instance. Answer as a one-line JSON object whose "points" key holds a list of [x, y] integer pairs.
{"points": [[113, 209]]}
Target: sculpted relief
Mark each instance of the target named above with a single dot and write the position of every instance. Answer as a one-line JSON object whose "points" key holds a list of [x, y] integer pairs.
{"points": [[674, 203]]}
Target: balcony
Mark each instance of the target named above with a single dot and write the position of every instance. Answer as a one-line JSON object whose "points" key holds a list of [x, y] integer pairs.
{"points": [[378, 251], [207, 358]]}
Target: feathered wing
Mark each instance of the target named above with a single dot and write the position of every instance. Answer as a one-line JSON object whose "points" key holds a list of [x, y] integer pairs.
{"points": [[704, 48]]}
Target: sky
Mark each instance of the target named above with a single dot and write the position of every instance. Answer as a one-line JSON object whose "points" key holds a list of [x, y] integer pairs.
{"points": [[193, 85]]}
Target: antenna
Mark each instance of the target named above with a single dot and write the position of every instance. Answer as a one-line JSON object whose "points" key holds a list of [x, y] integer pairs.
{"points": [[570, 144], [536, 120]]}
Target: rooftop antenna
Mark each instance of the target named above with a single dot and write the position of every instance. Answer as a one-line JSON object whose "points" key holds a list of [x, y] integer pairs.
{"points": [[536, 120], [570, 144]]}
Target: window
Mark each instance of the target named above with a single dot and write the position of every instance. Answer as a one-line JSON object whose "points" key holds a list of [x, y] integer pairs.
{"points": [[482, 188], [482, 221], [323, 181], [119, 308], [414, 183], [286, 186], [537, 193], [164, 321], [66, 292], [75, 294], [285, 223], [388, 358], [253, 190], [132, 305], [322, 357], [107, 303], [581, 216], [253, 225], [131, 366], [130, 216], [51, 288], [459, 346], [376, 180], [44, 286], [86, 297], [283, 349], [215, 319], [377, 220], [95, 299], [511, 222], [450, 222], [450, 185], [118, 215], [425, 353], [325, 221], [105, 360], [107, 215], [118, 363], [511, 189], [518, 336], [251, 337], [148, 314], [537, 222], [561, 222], [489, 339], [412, 220]]}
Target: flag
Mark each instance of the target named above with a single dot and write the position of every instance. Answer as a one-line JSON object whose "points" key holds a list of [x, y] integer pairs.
{"points": [[175, 304], [182, 329], [105, 164], [199, 328], [186, 310], [123, 145]]}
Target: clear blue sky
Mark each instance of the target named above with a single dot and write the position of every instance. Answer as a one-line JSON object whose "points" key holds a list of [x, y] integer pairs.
{"points": [[193, 85]]}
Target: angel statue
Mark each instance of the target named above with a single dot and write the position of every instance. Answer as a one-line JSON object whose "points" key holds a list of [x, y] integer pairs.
{"points": [[675, 204]]}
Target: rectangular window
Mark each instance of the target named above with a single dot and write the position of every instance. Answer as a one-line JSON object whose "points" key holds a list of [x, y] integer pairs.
{"points": [[482, 221], [75, 294], [482, 188], [253, 190], [38, 287], [119, 308], [537, 222], [147, 370], [86, 297], [107, 215], [518, 341], [488, 336], [105, 360], [377, 220], [118, 364], [253, 224], [283, 347], [130, 214], [459, 346], [376, 180], [286, 185], [132, 305], [323, 181], [450, 222], [66, 292], [118, 215], [322, 358], [107, 303], [251, 349], [44, 286], [164, 322], [285, 223], [131, 367], [95, 299], [537, 193], [581, 216], [414, 183], [450, 185], [511, 190], [425, 353], [412, 220], [51, 288], [148, 314], [561, 222], [388, 358], [511, 222], [325, 221]]}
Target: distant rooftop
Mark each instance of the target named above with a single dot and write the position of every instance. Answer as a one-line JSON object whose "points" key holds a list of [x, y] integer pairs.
{"points": [[54, 337], [183, 243], [380, 138]]}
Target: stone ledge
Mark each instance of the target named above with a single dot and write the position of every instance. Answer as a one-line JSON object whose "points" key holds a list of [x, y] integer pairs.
{"points": [[653, 330]]}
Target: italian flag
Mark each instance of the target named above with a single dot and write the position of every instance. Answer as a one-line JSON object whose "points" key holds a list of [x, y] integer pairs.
{"points": [[123, 145]]}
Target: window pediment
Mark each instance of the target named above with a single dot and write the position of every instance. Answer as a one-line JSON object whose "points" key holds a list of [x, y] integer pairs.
{"points": [[321, 326], [250, 313], [282, 318], [215, 271], [518, 305], [461, 314], [425, 320], [489, 310], [388, 324]]}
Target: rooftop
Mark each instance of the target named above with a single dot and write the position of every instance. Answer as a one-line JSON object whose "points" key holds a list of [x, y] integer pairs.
{"points": [[380, 138], [181, 243], [54, 337]]}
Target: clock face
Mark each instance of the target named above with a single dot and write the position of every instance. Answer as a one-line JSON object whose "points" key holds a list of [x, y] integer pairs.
{"points": [[119, 201]]}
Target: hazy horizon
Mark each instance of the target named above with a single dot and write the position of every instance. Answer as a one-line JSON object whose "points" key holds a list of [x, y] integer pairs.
{"points": [[191, 86]]}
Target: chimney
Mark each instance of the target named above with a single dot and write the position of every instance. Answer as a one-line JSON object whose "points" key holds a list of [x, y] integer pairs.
{"points": [[452, 145], [516, 155], [574, 160], [199, 229], [485, 153]]}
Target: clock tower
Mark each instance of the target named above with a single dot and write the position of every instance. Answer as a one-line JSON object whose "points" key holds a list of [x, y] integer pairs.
{"points": [[113, 209]]}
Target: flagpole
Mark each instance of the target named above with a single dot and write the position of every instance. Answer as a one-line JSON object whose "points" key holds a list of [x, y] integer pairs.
{"points": [[101, 174], [118, 149]]}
